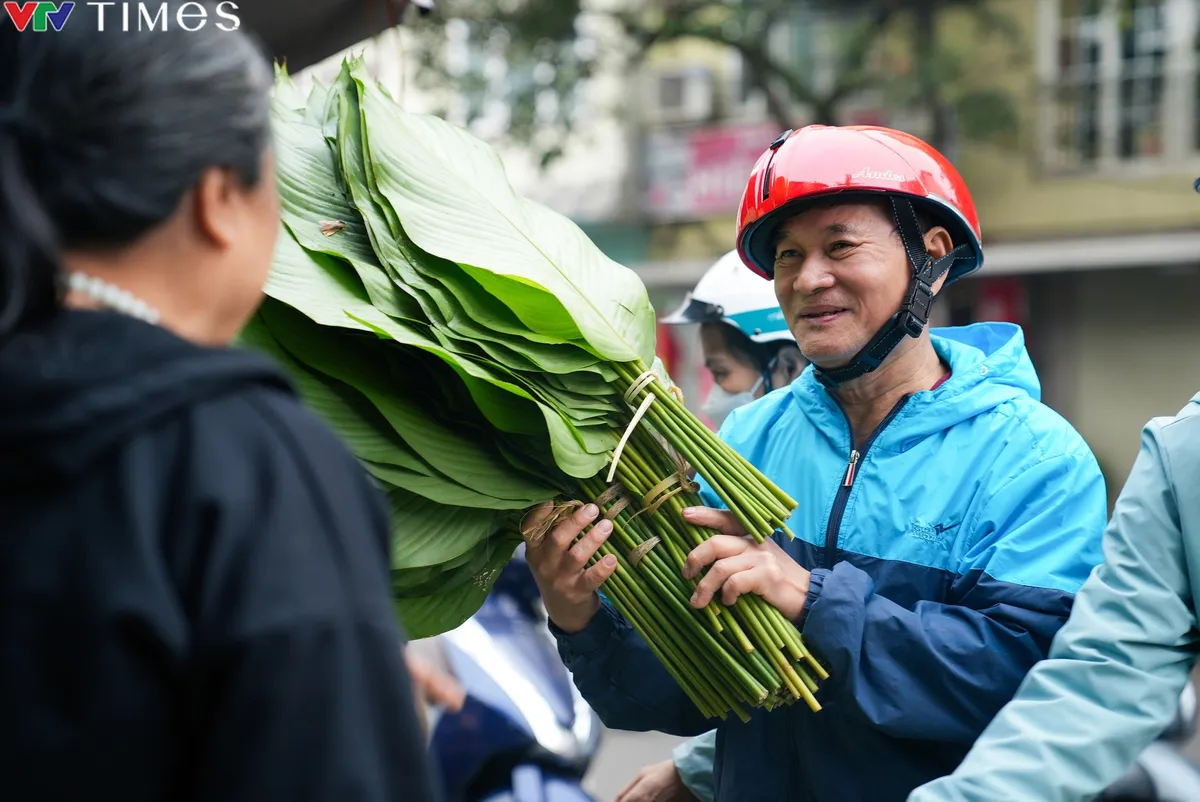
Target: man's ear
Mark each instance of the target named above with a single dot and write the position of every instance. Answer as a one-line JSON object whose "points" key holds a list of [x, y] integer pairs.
{"points": [[938, 242], [937, 245], [789, 364]]}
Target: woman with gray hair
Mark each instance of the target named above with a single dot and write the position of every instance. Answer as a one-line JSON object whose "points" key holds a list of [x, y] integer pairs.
{"points": [[194, 591]]}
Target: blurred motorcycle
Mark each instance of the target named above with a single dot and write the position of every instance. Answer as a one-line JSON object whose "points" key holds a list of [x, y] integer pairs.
{"points": [[1163, 773], [524, 733]]}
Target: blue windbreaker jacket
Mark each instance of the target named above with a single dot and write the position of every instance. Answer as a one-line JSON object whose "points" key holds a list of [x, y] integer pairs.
{"points": [[942, 567]]}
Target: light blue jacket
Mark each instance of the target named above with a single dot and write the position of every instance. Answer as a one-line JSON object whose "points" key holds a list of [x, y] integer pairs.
{"points": [[1117, 668], [694, 759], [940, 574]]}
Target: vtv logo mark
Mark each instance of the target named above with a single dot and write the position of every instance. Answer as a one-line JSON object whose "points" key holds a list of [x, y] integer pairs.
{"points": [[40, 13]]}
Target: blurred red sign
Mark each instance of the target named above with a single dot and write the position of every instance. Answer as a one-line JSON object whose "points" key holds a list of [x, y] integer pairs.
{"points": [[702, 172], [721, 159]]}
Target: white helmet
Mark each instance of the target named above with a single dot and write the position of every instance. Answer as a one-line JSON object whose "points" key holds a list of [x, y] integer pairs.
{"points": [[729, 293]]}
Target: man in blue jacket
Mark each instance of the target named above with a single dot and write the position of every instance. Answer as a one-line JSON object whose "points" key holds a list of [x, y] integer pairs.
{"points": [[946, 517]]}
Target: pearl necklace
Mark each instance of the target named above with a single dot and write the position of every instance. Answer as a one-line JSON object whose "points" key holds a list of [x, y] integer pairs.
{"points": [[112, 297]]}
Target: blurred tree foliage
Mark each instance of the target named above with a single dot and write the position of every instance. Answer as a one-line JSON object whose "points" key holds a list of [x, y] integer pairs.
{"points": [[516, 68], [940, 80]]}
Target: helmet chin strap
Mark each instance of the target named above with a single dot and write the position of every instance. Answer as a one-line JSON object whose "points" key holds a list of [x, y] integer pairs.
{"points": [[914, 309]]}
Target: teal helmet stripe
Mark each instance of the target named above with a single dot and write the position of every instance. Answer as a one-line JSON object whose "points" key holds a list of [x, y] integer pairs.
{"points": [[760, 321]]}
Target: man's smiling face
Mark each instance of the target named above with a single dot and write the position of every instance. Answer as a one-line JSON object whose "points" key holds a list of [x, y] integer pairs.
{"points": [[840, 273]]}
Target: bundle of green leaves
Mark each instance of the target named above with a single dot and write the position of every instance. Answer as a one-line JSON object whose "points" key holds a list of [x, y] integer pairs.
{"points": [[481, 357]]}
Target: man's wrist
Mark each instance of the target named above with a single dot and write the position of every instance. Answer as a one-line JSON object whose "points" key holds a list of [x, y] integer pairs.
{"points": [[801, 582], [576, 620]]}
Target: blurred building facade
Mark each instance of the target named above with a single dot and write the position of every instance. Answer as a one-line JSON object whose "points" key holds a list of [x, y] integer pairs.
{"points": [[1095, 218]]}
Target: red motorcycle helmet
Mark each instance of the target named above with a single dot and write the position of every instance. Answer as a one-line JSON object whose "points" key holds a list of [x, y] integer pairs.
{"points": [[818, 164]]}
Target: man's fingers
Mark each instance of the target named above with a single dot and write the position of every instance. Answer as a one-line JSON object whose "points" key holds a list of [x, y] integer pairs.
{"points": [[720, 520], [715, 548], [596, 576], [565, 533], [722, 572], [739, 585], [582, 551]]}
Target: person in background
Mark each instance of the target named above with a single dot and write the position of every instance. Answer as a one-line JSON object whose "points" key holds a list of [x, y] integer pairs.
{"points": [[194, 590], [435, 686], [750, 351], [945, 519], [744, 335], [1116, 670]]}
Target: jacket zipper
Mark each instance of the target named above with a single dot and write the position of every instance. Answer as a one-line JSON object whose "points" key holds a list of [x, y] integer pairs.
{"points": [[833, 530]]}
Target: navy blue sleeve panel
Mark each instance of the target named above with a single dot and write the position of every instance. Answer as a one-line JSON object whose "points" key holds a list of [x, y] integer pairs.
{"points": [[623, 681], [300, 690], [938, 671]]}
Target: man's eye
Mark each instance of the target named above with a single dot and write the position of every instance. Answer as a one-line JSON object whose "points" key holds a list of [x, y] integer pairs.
{"points": [[841, 245], [787, 254]]}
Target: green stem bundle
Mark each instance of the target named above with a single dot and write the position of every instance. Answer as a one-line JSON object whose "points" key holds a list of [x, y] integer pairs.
{"points": [[725, 658]]}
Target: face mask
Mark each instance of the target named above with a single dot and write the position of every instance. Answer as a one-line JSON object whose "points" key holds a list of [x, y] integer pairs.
{"points": [[721, 402]]}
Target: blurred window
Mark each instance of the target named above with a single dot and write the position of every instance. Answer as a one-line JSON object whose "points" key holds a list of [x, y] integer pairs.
{"points": [[1123, 84], [1142, 28]]}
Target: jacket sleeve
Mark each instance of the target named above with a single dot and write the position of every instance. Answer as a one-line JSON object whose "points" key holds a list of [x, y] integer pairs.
{"points": [[1115, 672], [941, 671], [694, 762], [622, 679], [299, 689]]}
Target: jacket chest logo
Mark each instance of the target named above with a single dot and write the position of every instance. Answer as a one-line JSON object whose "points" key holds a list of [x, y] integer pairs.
{"points": [[934, 533]]}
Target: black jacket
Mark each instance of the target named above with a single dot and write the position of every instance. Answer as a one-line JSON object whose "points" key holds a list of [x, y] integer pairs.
{"points": [[194, 597]]}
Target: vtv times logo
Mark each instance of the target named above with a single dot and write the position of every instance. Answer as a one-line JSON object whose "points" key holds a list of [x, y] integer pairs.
{"points": [[40, 16]]}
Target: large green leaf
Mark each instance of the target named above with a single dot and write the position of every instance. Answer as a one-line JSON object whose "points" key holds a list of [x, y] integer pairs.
{"points": [[449, 298], [322, 218], [426, 616], [314, 110], [420, 479], [580, 406], [576, 453], [365, 431], [451, 193], [505, 405], [287, 101], [427, 533], [428, 580], [318, 285], [442, 448], [327, 292], [321, 288], [357, 423]]}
